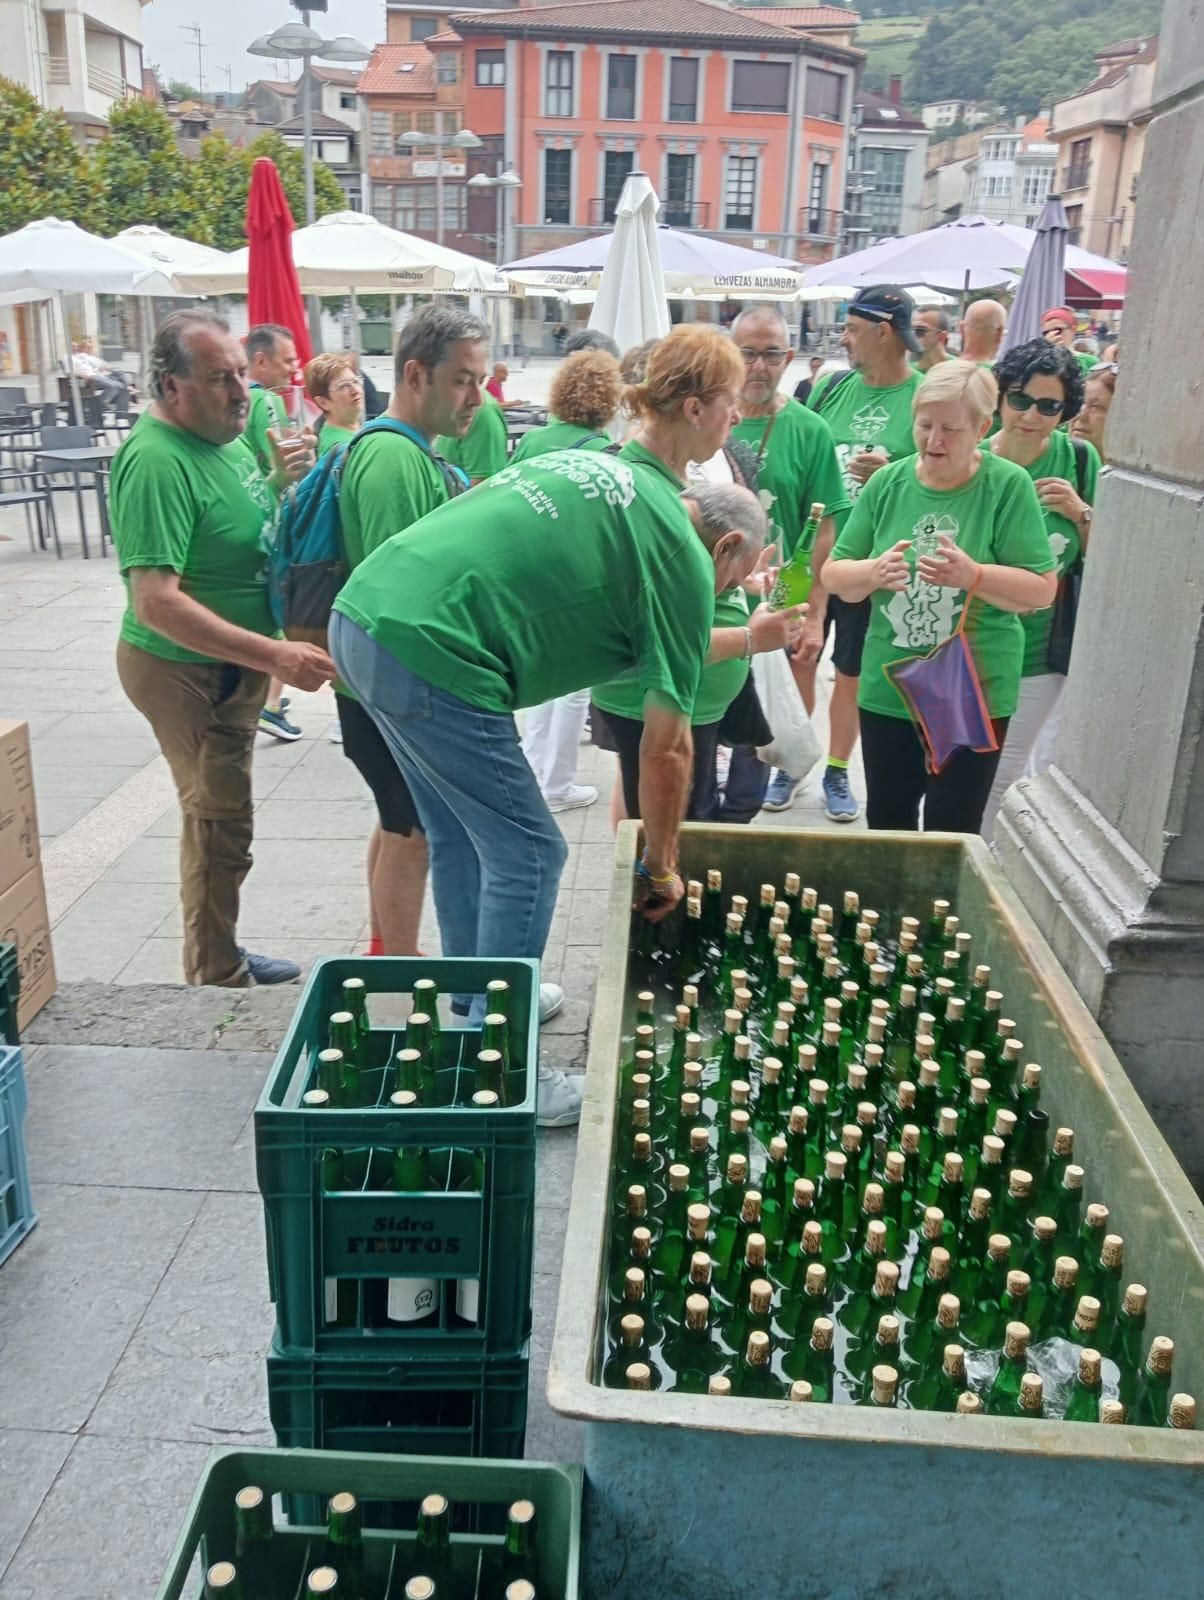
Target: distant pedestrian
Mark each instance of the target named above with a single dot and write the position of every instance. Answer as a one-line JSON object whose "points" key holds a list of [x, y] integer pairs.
{"points": [[198, 640], [591, 339], [982, 330], [1099, 393], [97, 374], [1060, 326], [932, 328], [803, 388], [334, 386]]}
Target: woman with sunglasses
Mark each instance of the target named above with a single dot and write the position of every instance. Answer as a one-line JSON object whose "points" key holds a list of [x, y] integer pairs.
{"points": [[1040, 387]]}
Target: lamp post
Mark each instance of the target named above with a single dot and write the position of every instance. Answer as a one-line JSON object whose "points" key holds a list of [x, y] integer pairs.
{"points": [[500, 183], [466, 139]]}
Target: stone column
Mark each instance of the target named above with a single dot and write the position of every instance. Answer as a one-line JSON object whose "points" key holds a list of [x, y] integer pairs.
{"points": [[1107, 849]]}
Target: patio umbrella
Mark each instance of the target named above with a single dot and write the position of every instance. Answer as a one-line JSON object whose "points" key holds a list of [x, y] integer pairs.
{"points": [[53, 258], [273, 293], [172, 256], [690, 261], [631, 305], [1044, 281]]}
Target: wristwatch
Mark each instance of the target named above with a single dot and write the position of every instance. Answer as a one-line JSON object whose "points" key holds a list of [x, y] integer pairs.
{"points": [[1085, 520]]}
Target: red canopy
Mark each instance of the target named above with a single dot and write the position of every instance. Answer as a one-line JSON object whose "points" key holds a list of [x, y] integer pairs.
{"points": [[1096, 289], [273, 293]]}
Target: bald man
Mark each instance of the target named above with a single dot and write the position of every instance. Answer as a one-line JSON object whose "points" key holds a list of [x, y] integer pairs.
{"points": [[982, 330]]}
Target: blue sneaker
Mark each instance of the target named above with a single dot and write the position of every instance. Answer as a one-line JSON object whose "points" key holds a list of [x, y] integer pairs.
{"points": [[270, 969], [840, 803], [277, 724], [781, 792]]}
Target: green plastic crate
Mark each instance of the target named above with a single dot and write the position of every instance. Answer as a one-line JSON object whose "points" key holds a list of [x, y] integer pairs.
{"points": [[10, 991], [389, 1487], [17, 1215], [366, 1232], [456, 1407]]}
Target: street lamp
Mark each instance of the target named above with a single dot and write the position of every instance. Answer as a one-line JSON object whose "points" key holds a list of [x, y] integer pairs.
{"points": [[509, 179], [466, 139]]}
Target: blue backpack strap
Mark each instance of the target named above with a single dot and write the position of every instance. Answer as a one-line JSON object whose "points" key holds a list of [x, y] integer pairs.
{"points": [[455, 477]]}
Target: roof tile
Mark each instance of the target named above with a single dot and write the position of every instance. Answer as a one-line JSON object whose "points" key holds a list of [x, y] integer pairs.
{"points": [[399, 69], [677, 19]]}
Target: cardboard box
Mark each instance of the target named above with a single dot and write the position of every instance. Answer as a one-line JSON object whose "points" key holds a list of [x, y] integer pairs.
{"points": [[24, 921], [19, 847]]}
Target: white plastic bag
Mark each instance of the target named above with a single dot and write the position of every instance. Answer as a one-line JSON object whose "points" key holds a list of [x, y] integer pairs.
{"points": [[794, 746]]}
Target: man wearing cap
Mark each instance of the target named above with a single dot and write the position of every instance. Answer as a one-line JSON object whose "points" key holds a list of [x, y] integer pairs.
{"points": [[868, 411], [1059, 325]]}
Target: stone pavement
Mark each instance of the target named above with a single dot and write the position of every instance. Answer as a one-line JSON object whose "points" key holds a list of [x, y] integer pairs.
{"points": [[134, 1319]]}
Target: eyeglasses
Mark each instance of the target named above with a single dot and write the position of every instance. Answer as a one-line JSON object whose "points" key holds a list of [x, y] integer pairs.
{"points": [[771, 358], [1020, 401], [921, 328]]}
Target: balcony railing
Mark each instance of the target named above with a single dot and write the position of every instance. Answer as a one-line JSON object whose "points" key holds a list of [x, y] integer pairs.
{"points": [[602, 212], [1076, 175], [686, 213], [104, 82], [817, 224]]}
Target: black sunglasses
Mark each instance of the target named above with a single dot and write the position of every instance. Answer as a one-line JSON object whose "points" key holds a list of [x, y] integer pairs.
{"points": [[1020, 401]]}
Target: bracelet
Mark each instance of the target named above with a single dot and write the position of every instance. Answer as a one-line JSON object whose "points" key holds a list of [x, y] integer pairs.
{"points": [[642, 872], [748, 645]]}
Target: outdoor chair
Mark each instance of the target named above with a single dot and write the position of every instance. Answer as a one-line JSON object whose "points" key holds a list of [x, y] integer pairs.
{"points": [[21, 487]]}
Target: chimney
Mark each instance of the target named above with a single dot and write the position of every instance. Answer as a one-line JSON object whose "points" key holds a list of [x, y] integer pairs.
{"points": [[895, 93]]}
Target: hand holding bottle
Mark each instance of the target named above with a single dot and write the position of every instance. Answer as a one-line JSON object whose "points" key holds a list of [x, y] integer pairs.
{"points": [[950, 567], [776, 630]]}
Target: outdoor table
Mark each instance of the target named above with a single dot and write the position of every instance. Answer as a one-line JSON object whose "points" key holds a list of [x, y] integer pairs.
{"points": [[93, 458]]}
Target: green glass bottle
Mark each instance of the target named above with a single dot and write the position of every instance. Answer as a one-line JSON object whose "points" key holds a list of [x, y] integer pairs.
{"points": [[865, 1354], [420, 1034], [798, 1242], [820, 1361], [1086, 1249], [1128, 1340], [923, 1298], [490, 1073], [691, 951], [520, 1552], [682, 1027], [1067, 1209], [253, 1533], [670, 1249], [223, 1581], [1038, 1259], [798, 1312], [733, 1021], [1003, 1399], [639, 1377], [632, 1347], [767, 1119], [752, 1376], [931, 1234], [1085, 1328], [1182, 1412], [927, 1338], [863, 1311], [1106, 1280], [950, 1385], [884, 1387], [1056, 1311], [413, 1302], [692, 1354], [774, 1196], [976, 1228], [432, 1544], [749, 1250], [495, 1035], [830, 1205], [345, 1544], [1030, 1402], [329, 1077], [712, 905], [752, 1312], [732, 959], [498, 998], [1151, 1404], [1061, 1156], [895, 1201], [1087, 1391], [340, 1296], [988, 1287], [861, 1268], [1013, 1212], [794, 579], [425, 999]]}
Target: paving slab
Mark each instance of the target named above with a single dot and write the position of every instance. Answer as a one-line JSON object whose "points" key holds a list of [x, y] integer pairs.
{"points": [[29, 1463]]}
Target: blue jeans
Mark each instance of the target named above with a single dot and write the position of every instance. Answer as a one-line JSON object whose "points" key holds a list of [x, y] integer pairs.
{"points": [[496, 854]]}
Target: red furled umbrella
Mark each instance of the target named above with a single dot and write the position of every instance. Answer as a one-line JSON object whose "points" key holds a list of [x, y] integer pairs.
{"points": [[273, 292]]}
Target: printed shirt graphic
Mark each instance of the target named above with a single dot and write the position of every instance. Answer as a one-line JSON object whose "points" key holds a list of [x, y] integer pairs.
{"points": [[1056, 461], [799, 466], [198, 509], [996, 518], [863, 418], [566, 571]]}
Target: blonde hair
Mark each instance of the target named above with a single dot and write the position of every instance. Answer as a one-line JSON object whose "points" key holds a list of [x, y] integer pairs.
{"points": [[692, 362], [587, 389], [973, 385], [321, 372]]}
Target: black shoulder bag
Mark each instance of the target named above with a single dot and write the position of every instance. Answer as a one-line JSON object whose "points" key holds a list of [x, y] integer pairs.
{"points": [[1066, 601]]}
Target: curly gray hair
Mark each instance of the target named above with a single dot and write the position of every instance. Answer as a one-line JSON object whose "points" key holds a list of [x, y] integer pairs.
{"points": [[171, 354], [728, 508]]}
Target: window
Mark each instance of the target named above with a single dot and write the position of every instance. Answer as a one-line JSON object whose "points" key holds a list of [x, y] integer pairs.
{"points": [[885, 170], [447, 66], [380, 133], [424, 121], [1078, 168], [817, 198], [557, 186], [559, 84], [491, 69], [347, 102], [423, 27], [620, 87], [999, 186], [825, 94], [683, 89], [1074, 224], [615, 167], [679, 191], [740, 192], [1036, 187], [760, 85]]}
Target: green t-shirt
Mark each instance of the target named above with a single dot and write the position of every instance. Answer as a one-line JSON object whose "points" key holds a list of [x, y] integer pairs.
{"points": [[864, 418], [265, 410], [331, 437], [557, 435], [798, 467], [1086, 360], [718, 686], [200, 509], [554, 575], [482, 450], [1056, 461], [996, 517], [389, 483]]}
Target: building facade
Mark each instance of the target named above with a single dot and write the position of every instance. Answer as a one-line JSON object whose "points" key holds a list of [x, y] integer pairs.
{"points": [[1012, 175], [945, 188], [1099, 134], [741, 124], [890, 156], [76, 56]]}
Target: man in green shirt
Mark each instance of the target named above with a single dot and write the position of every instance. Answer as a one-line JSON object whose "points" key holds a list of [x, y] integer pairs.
{"points": [[566, 571], [391, 479], [1060, 326], [798, 467], [482, 450], [198, 643], [868, 412]]}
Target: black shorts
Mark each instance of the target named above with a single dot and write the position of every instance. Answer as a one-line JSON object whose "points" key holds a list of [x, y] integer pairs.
{"points": [[364, 746], [851, 619]]}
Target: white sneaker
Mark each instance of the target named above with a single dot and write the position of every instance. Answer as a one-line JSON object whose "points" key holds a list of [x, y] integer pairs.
{"points": [[574, 797], [559, 1098], [551, 1001], [335, 733]]}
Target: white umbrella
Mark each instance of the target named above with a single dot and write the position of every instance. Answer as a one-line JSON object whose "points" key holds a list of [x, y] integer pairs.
{"points": [[631, 305], [50, 257], [693, 265], [924, 299], [170, 254]]}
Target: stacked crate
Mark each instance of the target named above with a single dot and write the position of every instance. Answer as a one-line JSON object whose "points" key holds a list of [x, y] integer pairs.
{"points": [[17, 1215], [341, 1376]]}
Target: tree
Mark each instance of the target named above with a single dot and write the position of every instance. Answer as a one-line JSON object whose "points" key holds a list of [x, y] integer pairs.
{"points": [[142, 175], [180, 89], [43, 172], [220, 177], [328, 195]]}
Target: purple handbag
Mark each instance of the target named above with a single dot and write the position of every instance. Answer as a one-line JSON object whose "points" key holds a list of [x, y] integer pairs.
{"points": [[944, 697]]}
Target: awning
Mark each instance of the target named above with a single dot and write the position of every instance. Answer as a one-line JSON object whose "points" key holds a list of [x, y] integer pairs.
{"points": [[1096, 287]]}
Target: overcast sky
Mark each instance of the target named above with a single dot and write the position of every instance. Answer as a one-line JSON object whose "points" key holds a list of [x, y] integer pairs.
{"points": [[228, 26]]}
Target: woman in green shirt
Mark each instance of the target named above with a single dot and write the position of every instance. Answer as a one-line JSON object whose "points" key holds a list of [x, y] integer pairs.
{"points": [[1040, 387], [335, 387], [926, 534]]}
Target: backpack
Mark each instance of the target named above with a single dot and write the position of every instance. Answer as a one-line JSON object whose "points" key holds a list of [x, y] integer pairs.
{"points": [[306, 563]]}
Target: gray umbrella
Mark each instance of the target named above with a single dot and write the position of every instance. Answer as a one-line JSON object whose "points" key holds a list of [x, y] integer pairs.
{"points": [[1044, 281]]}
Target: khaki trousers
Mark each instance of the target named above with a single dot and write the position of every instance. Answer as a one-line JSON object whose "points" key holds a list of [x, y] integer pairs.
{"points": [[204, 717]]}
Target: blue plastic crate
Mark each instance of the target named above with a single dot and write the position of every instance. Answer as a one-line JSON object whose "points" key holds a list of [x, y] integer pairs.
{"points": [[17, 1215]]}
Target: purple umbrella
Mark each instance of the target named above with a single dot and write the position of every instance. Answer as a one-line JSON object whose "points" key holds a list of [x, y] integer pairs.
{"points": [[1044, 281], [969, 253]]}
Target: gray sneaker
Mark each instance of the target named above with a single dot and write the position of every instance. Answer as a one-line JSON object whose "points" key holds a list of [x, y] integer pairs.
{"points": [[270, 969], [551, 1001], [559, 1102]]}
